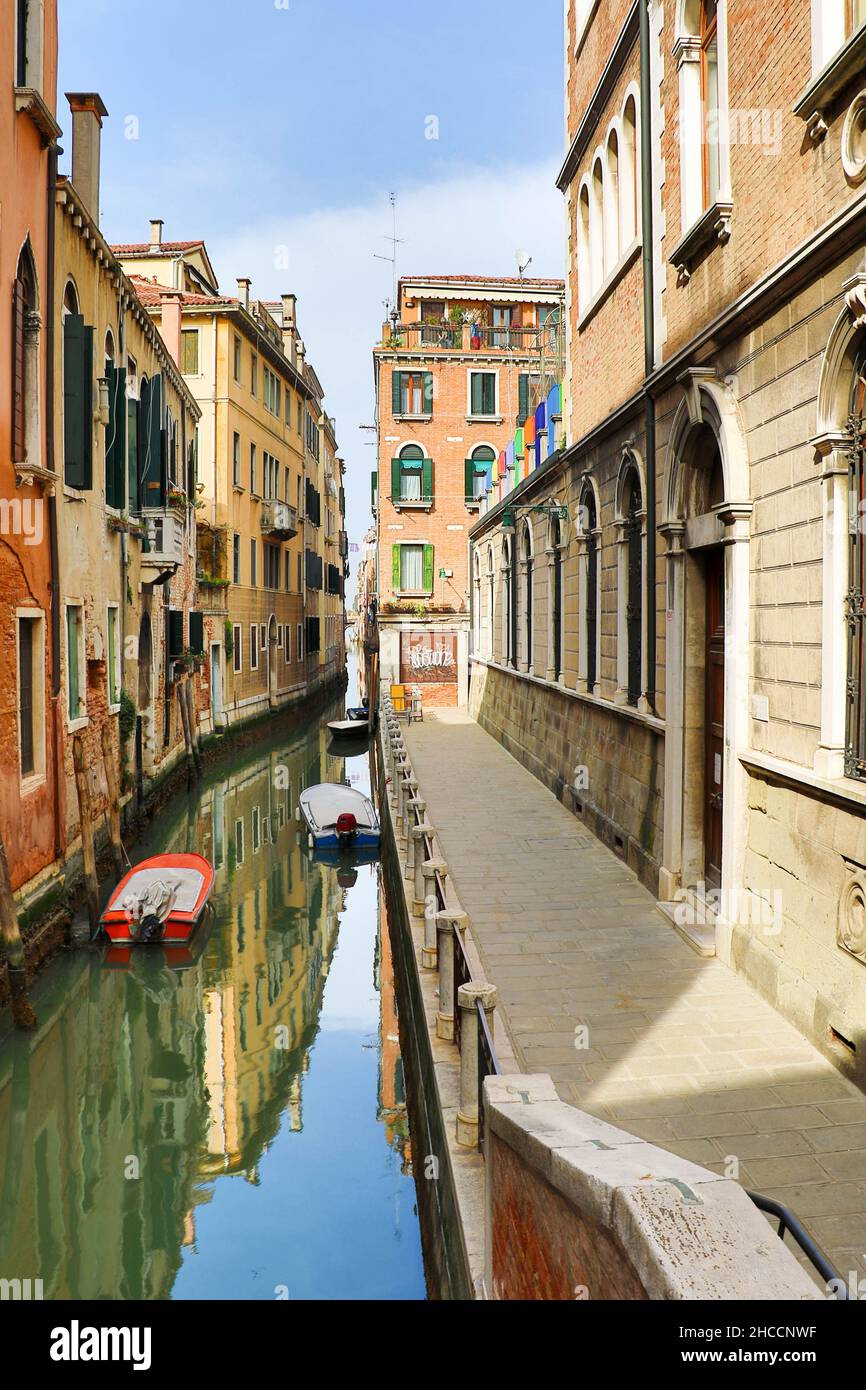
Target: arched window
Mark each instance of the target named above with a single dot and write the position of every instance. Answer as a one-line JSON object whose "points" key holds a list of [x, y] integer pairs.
{"points": [[555, 608], [855, 741], [612, 205], [77, 394], [527, 598], [507, 601], [584, 265], [596, 228], [411, 477], [709, 37], [628, 175], [491, 601], [855, 16], [479, 474], [589, 589], [25, 361], [476, 604], [630, 521]]}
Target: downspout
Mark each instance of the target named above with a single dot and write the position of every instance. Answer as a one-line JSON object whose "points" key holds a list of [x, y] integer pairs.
{"points": [[53, 153], [649, 343]]}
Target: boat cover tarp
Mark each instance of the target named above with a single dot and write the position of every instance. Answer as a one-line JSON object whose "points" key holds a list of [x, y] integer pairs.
{"points": [[323, 804]]}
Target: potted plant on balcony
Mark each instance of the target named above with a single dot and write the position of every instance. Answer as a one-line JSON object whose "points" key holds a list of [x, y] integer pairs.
{"points": [[176, 499]]}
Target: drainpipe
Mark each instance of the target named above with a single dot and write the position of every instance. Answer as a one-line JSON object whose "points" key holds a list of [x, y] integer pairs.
{"points": [[649, 343], [53, 153]]}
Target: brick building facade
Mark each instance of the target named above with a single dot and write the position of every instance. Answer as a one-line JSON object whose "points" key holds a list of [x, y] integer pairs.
{"points": [[706, 592]]}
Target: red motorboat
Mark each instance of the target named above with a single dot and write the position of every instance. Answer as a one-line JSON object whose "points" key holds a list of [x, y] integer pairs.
{"points": [[160, 901]]}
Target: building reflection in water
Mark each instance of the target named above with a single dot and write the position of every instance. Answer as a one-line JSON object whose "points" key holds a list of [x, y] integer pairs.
{"points": [[144, 1085]]}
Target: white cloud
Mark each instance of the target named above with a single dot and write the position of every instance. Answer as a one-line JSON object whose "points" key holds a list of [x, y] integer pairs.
{"points": [[468, 222]]}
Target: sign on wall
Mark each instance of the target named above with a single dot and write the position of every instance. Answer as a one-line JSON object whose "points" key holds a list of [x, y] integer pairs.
{"points": [[428, 656]]}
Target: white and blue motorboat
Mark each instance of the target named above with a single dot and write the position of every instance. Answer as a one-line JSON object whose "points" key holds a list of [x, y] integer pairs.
{"points": [[338, 817]]}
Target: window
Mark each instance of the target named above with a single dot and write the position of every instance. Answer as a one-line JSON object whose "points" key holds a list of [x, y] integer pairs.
{"points": [[476, 603], [507, 601], [412, 569], [628, 193], [115, 431], [237, 648], [237, 359], [709, 101], [272, 566], [479, 474], [133, 434], [272, 392], [236, 559], [411, 477], [300, 646], [30, 20], [31, 686], [855, 16], [254, 647], [271, 479], [288, 639], [279, 636], [588, 585], [189, 351], [236, 460], [256, 829], [630, 524], [254, 373], [611, 211], [482, 393], [412, 393], [288, 572], [263, 636], [77, 395], [75, 706], [254, 482], [491, 600], [855, 739], [556, 599], [254, 572], [501, 337], [113, 635], [527, 596]]}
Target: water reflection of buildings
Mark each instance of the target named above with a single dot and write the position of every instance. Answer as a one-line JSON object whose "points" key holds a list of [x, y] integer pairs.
{"points": [[140, 1083], [392, 1088]]}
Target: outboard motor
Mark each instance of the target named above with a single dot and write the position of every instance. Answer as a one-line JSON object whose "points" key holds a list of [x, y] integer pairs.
{"points": [[347, 830], [150, 929]]}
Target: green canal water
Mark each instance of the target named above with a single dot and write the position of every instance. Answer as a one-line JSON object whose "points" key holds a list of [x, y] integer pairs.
{"points": [[233, 1126]]}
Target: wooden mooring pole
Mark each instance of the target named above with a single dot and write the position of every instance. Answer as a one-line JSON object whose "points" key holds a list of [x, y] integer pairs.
{"points": [[187, 735], [85, 816], [111, 781], [22, 1010]]}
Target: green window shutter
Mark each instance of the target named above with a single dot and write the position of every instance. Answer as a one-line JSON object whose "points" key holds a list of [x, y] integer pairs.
{"points": [[523, 397], [395, 479], [133, 424], [152, 448], [115, 439], [428, 568], [428, 393], [175, 632], [77, 402], [374, 487], [395, 569], [196, 632], [73, 691], [427, 480], [396, 393], [469, 474]]}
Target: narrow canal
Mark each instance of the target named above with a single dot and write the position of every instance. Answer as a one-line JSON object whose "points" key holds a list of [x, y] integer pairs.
{"points": [[234, 1125]]}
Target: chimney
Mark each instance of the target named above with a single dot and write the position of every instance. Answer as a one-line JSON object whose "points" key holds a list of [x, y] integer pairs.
{"points": [[88, 112], [290, 332], [244, 285], [172, 318], [156, 226], [302, 353]]}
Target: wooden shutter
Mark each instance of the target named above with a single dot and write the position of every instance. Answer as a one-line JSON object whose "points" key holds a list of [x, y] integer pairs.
{"points": [[428, 393], [428, 568], [395, 569], [427, 480], [133, 429], [77, 402], [196, 632], [175, 632], [469, 475], [152, 445], [395, 480], [397, 393], [115, 438], [523, 397], [374, 486], [19, 308]]}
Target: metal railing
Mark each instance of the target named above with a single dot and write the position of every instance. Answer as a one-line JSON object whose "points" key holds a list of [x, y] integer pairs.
{"points": [[488, 1064], [815, 1255]]}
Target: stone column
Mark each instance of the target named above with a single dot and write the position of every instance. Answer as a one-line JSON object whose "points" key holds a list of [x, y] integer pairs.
{"points": [[468, 997], [447, 923], [831, 453], [418, 850], [430, 949], [670, 874]]}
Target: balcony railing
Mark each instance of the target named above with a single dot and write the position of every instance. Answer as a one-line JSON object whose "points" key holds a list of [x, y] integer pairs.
{"points": [[279, 519], [165, 534], [545, 340]]}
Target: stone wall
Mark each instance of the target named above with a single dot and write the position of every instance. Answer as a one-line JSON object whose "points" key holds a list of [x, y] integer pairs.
{"points": [[606, 767], [577, 1209]]}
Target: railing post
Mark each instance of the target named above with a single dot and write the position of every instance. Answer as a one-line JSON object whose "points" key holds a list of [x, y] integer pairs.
{"points": [[468, 997], [417, 857], [447, 923], [403, 772], [430, 949], [415, 810]]}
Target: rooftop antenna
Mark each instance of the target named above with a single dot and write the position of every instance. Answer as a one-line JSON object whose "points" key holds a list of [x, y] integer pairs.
{"points": [[524, 261], [395, 241]]}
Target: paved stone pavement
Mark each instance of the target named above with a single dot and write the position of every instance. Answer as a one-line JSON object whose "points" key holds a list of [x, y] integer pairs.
{"points": [[680, 1050]]}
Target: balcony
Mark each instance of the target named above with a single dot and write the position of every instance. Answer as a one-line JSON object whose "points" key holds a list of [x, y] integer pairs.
{"points": [[545, 341], [280, 520], [165, 540]]}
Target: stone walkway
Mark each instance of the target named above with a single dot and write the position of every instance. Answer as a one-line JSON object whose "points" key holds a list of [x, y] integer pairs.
{"points": [[678, 1050]]}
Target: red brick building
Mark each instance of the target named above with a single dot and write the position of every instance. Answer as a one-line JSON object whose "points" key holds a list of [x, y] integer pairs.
{"points": [[454, 375]]}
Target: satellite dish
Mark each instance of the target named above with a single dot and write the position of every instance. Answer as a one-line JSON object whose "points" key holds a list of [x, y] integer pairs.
{"points": [[523, 258]]}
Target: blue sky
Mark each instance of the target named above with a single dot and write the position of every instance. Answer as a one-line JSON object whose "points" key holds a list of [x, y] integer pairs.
{"points": [[280, 135]]}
